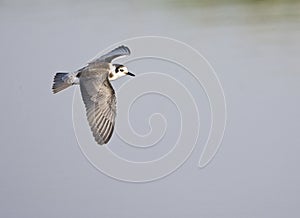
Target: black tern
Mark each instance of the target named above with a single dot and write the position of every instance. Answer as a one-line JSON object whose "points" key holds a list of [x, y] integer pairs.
{"points": [[97, 92]]}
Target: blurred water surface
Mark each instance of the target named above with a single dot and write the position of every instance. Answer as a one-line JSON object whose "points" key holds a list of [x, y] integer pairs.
{"points": [[254, 48]]}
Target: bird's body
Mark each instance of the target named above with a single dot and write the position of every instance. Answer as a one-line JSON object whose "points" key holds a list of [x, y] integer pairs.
{"points": [[97, 93]]}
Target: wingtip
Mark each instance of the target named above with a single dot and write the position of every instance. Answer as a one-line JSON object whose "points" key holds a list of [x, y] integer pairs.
{"points": [[126, 48], [105, 137]]}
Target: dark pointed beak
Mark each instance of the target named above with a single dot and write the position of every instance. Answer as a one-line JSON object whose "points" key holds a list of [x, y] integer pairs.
{"points": [[130, 74]]}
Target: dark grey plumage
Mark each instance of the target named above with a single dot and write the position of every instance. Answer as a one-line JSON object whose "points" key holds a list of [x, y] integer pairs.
{"points": [[58, 83]]}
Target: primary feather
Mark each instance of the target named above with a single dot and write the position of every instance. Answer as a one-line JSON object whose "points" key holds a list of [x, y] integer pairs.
{"points": [[118, 52]]}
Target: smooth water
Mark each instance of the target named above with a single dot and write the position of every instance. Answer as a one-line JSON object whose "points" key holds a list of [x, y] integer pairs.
{"points": [[252, 45]]}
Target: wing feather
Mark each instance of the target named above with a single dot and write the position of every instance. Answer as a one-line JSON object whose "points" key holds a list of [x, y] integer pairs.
{"points": [[100, 102], [118, 52]]}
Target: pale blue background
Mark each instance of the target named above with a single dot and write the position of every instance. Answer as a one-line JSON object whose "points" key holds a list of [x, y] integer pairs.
{"points": [[254, 48]]}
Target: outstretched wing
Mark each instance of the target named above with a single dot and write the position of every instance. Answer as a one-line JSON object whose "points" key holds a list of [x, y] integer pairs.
{"points": [[118, 52], [100, 103]]}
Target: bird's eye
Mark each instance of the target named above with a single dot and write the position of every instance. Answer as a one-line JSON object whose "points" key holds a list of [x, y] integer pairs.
{"points": [[121, 70]]}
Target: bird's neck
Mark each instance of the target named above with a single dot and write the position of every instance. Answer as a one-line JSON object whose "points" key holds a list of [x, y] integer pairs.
{"points": [[112, 73]]}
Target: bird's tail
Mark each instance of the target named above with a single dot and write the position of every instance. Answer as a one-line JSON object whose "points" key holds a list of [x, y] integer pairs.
{"points": [[58, 83]]}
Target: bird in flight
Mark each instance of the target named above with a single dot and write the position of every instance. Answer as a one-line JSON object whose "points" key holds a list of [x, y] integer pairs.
{"points": [[97, 92]]}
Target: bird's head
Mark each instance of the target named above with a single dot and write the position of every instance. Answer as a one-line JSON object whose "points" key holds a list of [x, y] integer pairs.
{"points": [[119, 71]]}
